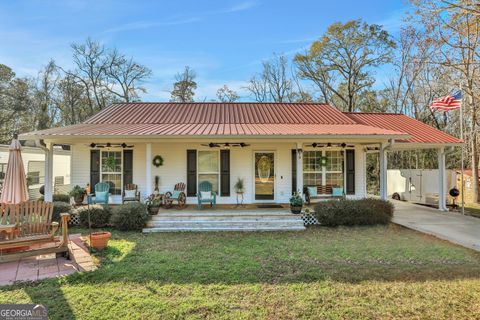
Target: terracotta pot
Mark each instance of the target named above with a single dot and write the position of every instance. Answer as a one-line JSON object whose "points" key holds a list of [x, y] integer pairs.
{"points": [[153, 210], [296, 209], [79, 199], [99, 240]]}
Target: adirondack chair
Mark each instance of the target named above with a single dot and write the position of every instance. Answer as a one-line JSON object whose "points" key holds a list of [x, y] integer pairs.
{"points": [[27, 224], [130, 193], [178, 195], [206, 195], [101, 194]]}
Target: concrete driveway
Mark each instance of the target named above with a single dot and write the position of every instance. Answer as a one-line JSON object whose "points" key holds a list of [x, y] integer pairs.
{"points": [[451, 226]]}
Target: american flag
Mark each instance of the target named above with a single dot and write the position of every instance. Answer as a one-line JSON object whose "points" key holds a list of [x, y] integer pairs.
{"points": [[450, 102]]}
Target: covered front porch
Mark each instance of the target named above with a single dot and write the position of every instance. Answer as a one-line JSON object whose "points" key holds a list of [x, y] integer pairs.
{"points": [[271, 170]]}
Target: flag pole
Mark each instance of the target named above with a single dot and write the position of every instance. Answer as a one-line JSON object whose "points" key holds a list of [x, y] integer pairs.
{"points": [[463, 149]]}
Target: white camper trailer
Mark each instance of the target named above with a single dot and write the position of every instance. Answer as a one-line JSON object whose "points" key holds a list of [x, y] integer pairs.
{"points": [[34, 163], [417, 185]]}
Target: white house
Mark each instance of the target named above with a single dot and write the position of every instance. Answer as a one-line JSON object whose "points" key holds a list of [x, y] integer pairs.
{"points": [[34, 164], [277, 148]]}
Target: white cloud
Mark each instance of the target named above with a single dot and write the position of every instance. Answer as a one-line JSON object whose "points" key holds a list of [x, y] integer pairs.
{"points": [[151, 24], [242, 6]]}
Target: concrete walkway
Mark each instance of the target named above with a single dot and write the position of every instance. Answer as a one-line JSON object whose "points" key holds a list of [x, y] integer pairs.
{"points": [[450, 226]]}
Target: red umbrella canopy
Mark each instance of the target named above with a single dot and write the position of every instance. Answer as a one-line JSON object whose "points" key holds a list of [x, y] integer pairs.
{"points": [[15, 184]]}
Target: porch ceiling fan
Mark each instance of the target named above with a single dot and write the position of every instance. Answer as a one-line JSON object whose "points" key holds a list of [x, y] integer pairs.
{"points": [[225, 144], [328, 145], [109, 145]]}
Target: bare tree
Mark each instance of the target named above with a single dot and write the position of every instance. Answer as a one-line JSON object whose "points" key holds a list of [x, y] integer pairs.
{"points": [[225, 94], [184, 86], [458, 31], [276, 83], [127, 74]]}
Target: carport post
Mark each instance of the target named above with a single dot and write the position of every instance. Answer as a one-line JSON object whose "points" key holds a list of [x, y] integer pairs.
{"points": [[441, 180], [383, 172]]}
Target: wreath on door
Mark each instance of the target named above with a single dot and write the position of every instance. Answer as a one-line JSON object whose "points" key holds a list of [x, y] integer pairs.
{"points": [[157, 161]]}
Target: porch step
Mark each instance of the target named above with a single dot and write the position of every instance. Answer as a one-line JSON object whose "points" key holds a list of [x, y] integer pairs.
{"points": [[226, 221]]}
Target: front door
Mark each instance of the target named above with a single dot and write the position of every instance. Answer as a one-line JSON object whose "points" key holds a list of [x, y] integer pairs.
{"points": [[264, 176]]}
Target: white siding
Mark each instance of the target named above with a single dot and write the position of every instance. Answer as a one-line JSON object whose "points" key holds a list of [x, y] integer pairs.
{"points": [[241, 166]]}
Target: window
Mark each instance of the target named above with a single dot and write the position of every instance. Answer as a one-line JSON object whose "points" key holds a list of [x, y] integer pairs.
{"points": [[316, 175], [111, 170], [334, 168], [312, 170], [36, 172], [208, 166], [3, 170]]}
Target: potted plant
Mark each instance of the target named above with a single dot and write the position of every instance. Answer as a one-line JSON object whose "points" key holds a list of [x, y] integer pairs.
{"points": [[154, 202], [99, 240], [78, 194], [240, 190], [239, 186], [296, 203]]}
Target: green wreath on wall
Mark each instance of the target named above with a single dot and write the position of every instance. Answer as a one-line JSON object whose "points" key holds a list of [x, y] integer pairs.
{"points": [[323, 161], [157, 161]]}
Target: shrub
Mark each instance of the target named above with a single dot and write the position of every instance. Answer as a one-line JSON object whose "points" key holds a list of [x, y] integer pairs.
{"points": [[60, 207], [99, 215], [130, 216], [353, 212]]}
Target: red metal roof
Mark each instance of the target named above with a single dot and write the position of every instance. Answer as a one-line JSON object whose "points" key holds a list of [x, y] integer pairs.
{"points": [[419, 132], [220, 113], [222, 129], [245, 119]]}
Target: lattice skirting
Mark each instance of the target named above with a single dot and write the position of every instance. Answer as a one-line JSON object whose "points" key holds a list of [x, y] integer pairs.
{"points": [[74, 219], [309, 219]]}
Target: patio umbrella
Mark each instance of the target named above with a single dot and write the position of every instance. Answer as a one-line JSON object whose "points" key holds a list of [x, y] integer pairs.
{"points": [[15, 183]]}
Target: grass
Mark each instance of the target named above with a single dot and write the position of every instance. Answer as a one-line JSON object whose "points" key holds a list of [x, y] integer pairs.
{"points": [[362, 273], [473, 210]]}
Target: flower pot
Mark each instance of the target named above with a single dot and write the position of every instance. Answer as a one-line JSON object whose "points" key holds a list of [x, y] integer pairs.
{"points": [[296, 209], [78, 198], [99, 240], [153, 210]]}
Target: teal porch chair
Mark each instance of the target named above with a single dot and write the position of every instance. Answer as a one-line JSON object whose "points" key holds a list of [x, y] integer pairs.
{"points": [[206, 195], [101, 194]]}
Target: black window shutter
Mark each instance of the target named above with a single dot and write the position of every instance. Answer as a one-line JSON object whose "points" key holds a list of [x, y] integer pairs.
{"points": [[294, 171], [191, 173], [225, 173], [350, 167], [94, 169], [127, 167]]}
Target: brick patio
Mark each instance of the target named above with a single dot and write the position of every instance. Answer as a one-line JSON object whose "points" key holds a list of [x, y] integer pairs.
{"points": [[48, 266]]}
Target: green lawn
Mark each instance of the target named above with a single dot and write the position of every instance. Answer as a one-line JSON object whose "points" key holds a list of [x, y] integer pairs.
{"points": [[473, 210], [343, 273]]}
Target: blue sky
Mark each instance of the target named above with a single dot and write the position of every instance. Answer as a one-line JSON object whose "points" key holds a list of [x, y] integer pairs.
{"points": [[223, 41]]}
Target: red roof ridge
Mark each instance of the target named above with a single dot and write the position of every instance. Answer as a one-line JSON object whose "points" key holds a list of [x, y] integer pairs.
{"points": [[380, 113], [219, 102]]}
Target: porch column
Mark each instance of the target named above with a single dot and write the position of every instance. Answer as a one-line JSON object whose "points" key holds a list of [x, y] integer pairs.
{"points": [[441, 180], [48, 189], [148, 169], [383, 172], [299, 168]]}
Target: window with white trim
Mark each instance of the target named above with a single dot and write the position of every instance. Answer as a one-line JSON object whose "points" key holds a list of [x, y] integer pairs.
{"points": [[314, 174], [208, 168], [111, 170]]}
